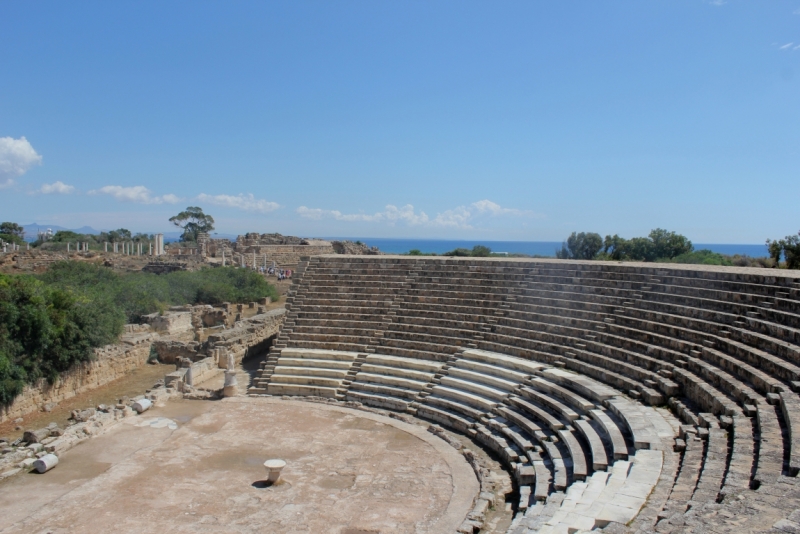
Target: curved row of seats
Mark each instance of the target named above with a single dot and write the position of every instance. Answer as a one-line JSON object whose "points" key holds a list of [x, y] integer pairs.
{"points": [[516, 353]]}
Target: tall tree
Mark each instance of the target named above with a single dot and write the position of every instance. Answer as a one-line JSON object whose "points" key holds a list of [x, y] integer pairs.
{"points": [[791, 249], [581, 246], [10, 228], [668, 244], [193, 221]]}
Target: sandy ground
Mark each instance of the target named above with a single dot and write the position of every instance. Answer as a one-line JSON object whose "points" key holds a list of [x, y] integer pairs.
{"points": [[196, 466], [132, 384]]}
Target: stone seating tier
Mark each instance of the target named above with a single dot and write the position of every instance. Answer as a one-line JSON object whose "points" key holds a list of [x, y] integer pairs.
{"points": [[720, 344]]}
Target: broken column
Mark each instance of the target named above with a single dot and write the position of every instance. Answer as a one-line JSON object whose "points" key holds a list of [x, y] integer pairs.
{"points": [[230, 388], [274, 468], [49, 461]]}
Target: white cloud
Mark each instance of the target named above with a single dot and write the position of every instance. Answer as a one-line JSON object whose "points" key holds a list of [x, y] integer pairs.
{"points": [[796, 11], [16, 157], [455, 218], [784, 47], [243, 202], [59, 188], [717, 2], [405, 214], [392, 215], [487, 206], [137, 193], [459, 217]]}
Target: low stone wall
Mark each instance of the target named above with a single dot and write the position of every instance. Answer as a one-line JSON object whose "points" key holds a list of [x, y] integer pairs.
{"points": [[172, 323], [282, 255], [112, 362], [249, 335]]}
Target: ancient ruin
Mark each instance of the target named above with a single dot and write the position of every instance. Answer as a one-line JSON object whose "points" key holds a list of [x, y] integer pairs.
{"points": [[624, 397], [251, 250], [465, 395]]}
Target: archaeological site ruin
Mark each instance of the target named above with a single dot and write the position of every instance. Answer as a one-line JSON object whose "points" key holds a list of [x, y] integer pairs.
{"points": [[619, 397], [403, 394]]}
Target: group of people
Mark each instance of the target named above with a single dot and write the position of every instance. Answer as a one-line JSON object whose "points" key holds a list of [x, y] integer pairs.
{"points": [[282, 274]]}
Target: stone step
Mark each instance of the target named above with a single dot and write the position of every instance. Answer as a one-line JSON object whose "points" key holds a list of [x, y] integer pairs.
{"points": [[485, 379], [308, 380], [478, 388], [484, 403], [301, 390], [313, 363], [315, 371], [390, 381]]}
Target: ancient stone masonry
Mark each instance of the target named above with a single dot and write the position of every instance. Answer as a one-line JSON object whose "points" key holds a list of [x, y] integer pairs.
{"points": [[171, 336], [109, 363], [248, 335], [266, 250], [628, 397], [197, 361]]}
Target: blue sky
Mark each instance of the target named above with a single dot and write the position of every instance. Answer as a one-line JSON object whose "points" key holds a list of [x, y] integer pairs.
{"points": [[476, 120]]}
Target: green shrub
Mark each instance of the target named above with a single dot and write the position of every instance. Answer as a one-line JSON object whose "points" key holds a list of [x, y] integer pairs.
{"points": [[45, 330], [52, 321], [138, 294], [700, 257]]}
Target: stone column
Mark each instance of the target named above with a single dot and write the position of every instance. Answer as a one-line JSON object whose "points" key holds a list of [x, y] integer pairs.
{"points": [[67, 247], [105, 246], [230, 389], [274, 468], [159, 244]]}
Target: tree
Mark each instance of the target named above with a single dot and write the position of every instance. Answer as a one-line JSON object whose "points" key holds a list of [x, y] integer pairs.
{"points": [[581, 246], [10, 228], [481, 251], [640, 249], [615, 248], [460, 252], [775, 249], [791, 250], [65, 236], [12, 233], [669, 244], [116, 236], [193, 221], [140, 237]]}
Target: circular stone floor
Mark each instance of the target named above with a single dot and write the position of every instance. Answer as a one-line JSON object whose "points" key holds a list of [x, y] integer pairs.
{"points": [[348, 472]]}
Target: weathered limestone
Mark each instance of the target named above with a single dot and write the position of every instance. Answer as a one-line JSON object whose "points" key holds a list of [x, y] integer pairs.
{"points": [[274, 468], [110, 363], [598, 342], [45, 463]]}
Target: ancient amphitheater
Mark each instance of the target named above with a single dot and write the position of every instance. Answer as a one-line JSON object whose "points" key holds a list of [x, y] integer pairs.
{"points": [[620, 397]]}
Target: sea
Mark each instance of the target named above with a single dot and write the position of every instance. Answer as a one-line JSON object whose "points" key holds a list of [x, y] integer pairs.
{"points": [[533, 248]]}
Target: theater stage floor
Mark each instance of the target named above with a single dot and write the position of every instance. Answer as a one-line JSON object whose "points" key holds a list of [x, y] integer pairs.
{"points": [[348, 472]]}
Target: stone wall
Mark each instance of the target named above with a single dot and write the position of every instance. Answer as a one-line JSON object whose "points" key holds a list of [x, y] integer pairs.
{"points": [[172, 323], [249, 335], [111, 362], [282, 255]]}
